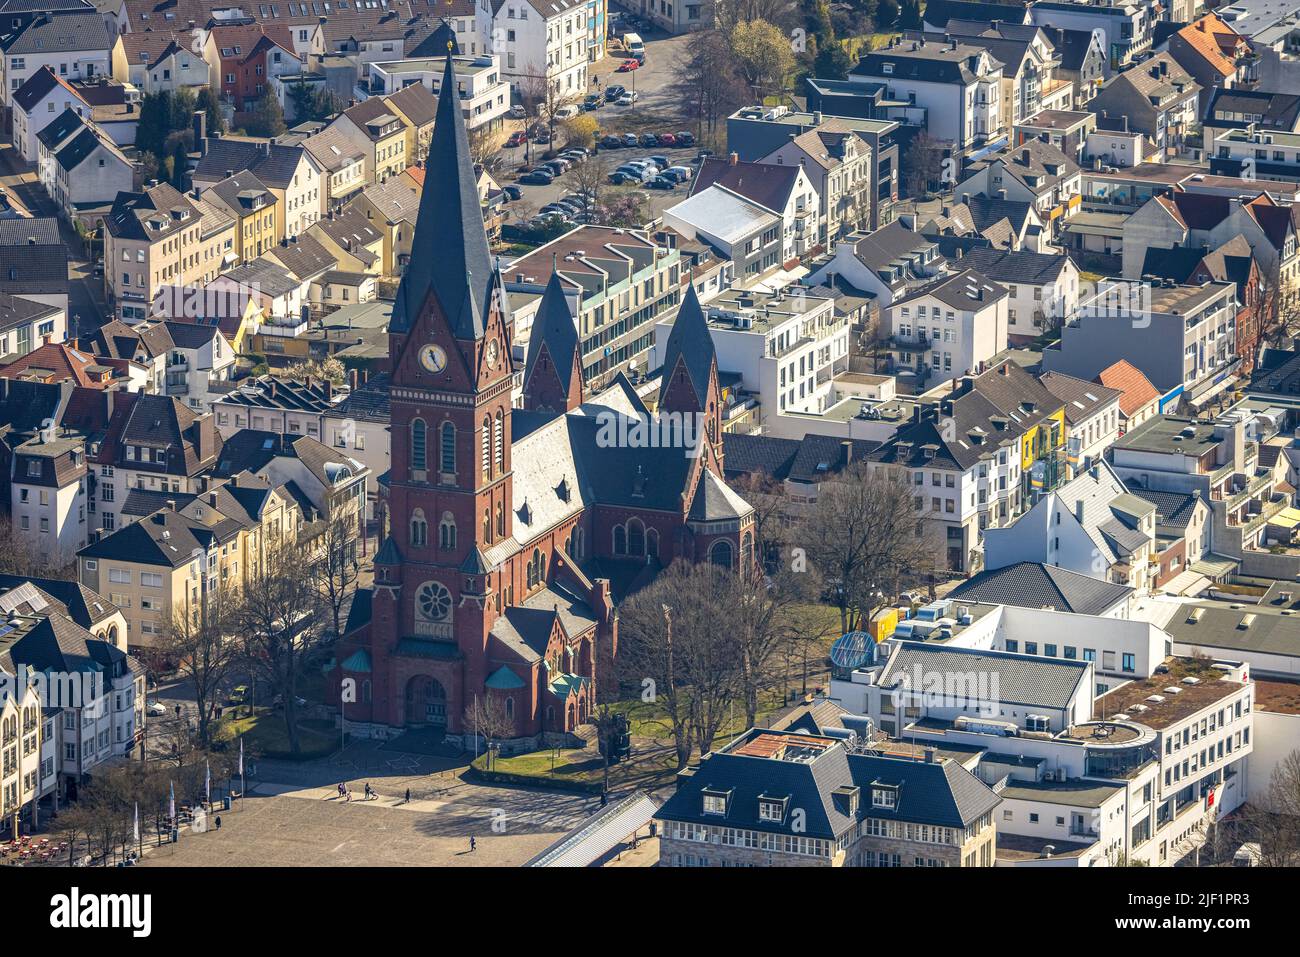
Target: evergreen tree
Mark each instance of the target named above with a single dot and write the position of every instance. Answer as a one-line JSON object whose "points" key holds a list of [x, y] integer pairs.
{"points": [[910, 14], [208, 103], [268, 118]]}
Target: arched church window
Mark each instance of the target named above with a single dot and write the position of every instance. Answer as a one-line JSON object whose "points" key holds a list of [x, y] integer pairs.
{"points": [[487, 526], [447, 531], [620, 540], [501, 520], [419, 529], [635, 537], [652, 542], [510, 708], [720, 553]]}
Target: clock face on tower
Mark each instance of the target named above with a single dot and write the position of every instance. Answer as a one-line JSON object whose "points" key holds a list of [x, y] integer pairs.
{"points": [[433, 358], [493, 350]]}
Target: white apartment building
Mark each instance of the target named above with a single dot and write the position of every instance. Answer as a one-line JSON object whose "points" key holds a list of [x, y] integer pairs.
{"points": [[542, 42], [484, 94], [951, 328], [787, 346], [76, 46], [1092, 418], [48, 495]]}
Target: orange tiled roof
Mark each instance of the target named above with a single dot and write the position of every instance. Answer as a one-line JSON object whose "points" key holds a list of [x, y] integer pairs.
{"points": [[1206, 36], [1136, 388]]}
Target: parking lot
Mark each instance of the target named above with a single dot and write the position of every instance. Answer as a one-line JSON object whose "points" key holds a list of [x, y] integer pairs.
{"points": [[657, 110]]}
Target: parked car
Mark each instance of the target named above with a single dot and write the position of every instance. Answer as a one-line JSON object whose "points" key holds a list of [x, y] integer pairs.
{"points": [[667, 139], [611, 142], [685, 138], [517, 138], [156, 709], [566, 111], [556, 166], [702, 155], [630, 139], [620, 177], [592, 101], [662, 182], [541, 135], [518, 113], [663, 162], [627, 66], [612, 93], [649, 139], [680, 173], [512, 192], [537, 178], [627, 99]]}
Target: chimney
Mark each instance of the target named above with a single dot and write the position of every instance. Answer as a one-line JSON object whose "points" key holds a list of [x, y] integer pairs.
{"points": [[171, 505], [929, 755], [817, 117], [733, 159], [212, 499], [846, 453], [1024, 156], [1078, 511], [352, 379], [200, 124]]}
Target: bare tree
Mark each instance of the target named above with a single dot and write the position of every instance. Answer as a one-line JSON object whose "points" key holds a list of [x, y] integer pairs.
{"points": [[679, 650], [861, 537], [486, 717], [762, 614], [279, 616], [204, 643], [335, 570], [20, 554], [1273, 819], [771, 507], [543, 98], [484, 147], [728, 13], [709, 84], [589, 180]]}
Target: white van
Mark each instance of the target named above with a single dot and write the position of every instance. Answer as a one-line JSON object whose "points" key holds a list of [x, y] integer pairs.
{"points": [[632, 43]]}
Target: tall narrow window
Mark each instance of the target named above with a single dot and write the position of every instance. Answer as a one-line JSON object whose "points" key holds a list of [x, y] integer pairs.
{"points": [[419, 529], [418, 439], [448, 440], [498, 444], [635, 537], [501, 520], [620, 540], [447, 531], [487, 526], [487, 447]]}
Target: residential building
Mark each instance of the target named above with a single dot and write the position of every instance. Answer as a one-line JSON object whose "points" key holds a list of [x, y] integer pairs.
{"points": [[780, 187], [80, 168], [49, 495], [154, 61], [1161, 101], [1127, 28], [485, 93], [839, 163], [542, 45], [735, 228], [1043, 289], [800, 800], [271, 404], [1213, 54], [257, 213], [889, 263], [75, 44], [33, 265], [342, 159], [1034, 172], [381, 135], [291, 172], [1029, 64], [242, 56], [1139, 400], [950, 328], [25, 325], [39, 101], [1092, 417], [1031, 584]]}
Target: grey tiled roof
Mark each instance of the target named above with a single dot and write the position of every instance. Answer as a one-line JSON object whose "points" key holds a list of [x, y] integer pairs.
{"points": [[65, 33], [1035, 585], [1015, 679]]}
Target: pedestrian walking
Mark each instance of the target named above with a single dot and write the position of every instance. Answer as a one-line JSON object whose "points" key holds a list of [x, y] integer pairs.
{"points": [[408, 795], [473, 844]]}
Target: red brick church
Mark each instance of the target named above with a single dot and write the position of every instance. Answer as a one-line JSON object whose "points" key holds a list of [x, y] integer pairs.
{"points": [[512, 533]]}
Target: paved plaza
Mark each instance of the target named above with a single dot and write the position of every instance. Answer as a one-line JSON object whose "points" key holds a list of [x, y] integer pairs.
{"points": [[281, 826]]}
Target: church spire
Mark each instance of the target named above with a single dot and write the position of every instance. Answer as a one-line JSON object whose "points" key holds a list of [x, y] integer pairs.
{"points": [[553, 372], [689, 359], [449, 252]]}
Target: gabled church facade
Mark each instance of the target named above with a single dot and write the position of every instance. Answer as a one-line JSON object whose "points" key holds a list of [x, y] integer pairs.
{"points": [[512, 532]]}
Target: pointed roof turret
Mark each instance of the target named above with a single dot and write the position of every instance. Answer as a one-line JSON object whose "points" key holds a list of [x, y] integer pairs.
{"points": [[690, 342], [449, 251], [555, 329]]}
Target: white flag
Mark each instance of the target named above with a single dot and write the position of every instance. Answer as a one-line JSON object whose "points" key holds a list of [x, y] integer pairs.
{"points": [[173, 803], [241, 757], [137, 822], [207, 781]]}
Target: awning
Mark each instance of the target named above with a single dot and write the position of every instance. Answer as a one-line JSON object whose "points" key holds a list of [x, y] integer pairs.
{"points": [[600, 834], [1186, 583], [1287, 518]]}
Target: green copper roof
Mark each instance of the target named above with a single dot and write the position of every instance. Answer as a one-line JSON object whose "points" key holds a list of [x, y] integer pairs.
{"points": [[504, 679], [359, 661]]}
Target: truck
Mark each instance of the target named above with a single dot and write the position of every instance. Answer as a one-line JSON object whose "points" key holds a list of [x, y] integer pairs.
{"points": [[634, 46]]}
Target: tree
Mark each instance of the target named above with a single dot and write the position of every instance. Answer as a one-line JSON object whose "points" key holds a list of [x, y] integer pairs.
{"points": [[727, 14], [268, 118], [709, 85], [544, 99], [484, 145], [580, 130], [19, 555], [677, 649], [312, 102], [831, 62], [771, 505], [335, 570], [486, 717], [626, 208], [1272, 819], [763, 56], [860, 536], [331, 369], [206, 101], [204, 643], [279, 619], [887, 12], [762, 614], [589, 180], [910, 14], [922, 164]]}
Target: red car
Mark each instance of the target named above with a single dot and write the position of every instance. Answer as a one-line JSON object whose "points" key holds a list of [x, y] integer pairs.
{"points": [[667, 139], [517, 138], [627, 66]]}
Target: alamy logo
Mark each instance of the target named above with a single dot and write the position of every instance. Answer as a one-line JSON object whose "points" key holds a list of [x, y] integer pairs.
{"points": [[74, 910], [675, 430]]}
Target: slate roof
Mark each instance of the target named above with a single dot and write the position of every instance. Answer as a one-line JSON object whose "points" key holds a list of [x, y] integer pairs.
{"points": [[941, 793], [83, 605], [691, 346], [1173, 509], [1018, 679], [713, 501], [555, 329], [766, 454], [930, 61], [273, 163], [1036, 585], [820, 456], [66, 33], [956, 290], [768, 184], [38, 85], [1016, 266], [1280, 111], [1080, 397], [368, 402], [449, 234], [165, 538]]}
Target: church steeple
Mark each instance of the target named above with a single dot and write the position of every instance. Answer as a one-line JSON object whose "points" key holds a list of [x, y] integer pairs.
{"points": [[689, 360], [553, 373], [449, 260]]}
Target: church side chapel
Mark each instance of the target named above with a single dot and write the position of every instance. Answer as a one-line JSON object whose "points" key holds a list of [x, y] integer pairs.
{"points": [[513, 533]]}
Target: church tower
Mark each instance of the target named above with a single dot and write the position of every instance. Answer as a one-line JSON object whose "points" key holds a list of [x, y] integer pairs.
{"points": [[689, 386], [450, 483], [553, 371]]}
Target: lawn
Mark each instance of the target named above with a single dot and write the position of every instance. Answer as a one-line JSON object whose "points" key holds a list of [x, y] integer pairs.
{"points": [[265, 733]]}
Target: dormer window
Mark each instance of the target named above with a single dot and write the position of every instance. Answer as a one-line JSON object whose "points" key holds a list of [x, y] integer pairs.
{"points": [[716, 801], [884, 796], [772, 808]]}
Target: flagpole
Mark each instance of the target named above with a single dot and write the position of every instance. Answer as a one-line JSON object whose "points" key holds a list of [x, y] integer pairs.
{"points": [[243, 786], [139, 839]]}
